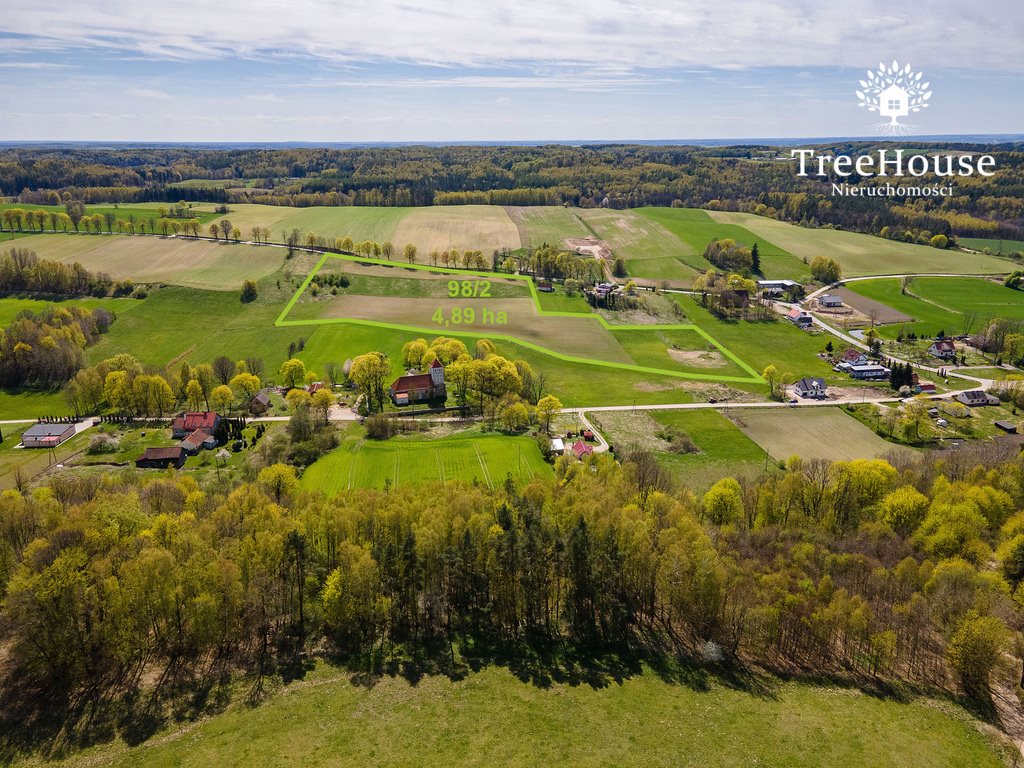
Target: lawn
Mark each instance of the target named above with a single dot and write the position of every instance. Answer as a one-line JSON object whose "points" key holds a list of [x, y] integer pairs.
{"points": [[491, 718], [696, 228], [557, 301], [152, 259], [812, 433], [860, 254], [410, 460], [676, 349]]}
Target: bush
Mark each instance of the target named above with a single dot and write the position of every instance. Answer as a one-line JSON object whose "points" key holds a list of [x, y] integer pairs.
{"points": [[249, 291], [381, 427], [103, 443]]}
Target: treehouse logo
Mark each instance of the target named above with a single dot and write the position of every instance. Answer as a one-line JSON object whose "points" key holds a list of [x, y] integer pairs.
{"points": [[894, 92]]}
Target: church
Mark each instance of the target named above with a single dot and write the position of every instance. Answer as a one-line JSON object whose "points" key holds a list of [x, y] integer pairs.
{"points": [[420, 387]]}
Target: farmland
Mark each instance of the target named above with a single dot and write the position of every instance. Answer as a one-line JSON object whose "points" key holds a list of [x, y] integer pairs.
{"points": [[177, 260], [811, 433], [996, 247], [142, 212], [468, 456], [641, 719], [942, 303], [860, 254]]}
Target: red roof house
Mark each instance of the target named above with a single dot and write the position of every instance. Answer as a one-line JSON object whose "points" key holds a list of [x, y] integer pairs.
{"points": [[581, 449], [187, 424]]}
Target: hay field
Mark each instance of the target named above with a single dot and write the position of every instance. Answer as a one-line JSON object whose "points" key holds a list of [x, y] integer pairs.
{"points": [[551, 224], [467, 227], [651, 251], [812, 433], [175, 260]]}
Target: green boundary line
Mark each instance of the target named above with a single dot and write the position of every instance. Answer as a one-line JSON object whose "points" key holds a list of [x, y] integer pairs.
{"points": [[753, 378]]}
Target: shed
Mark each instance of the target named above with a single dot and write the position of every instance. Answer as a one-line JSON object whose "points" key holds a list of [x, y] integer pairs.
{"points": [[162, 458], [46, 435], [1010, 429]]}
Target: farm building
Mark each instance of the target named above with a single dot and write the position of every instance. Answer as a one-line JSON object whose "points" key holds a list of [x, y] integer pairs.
{"points": [[557, 445], [976, 397], [869, 372], [186, 424], [259, 404], [830, 302], [420, 387], [944, 349], [925, 388], [581, 450], [775, 287], [46, 435], [197, 441], [545, 286], [811, 387], [799, 318], [1010, 429], [162, 458]]}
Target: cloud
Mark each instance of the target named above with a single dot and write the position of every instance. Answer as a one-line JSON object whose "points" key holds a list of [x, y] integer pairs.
{"points": [[613, 33], [147, 93]]}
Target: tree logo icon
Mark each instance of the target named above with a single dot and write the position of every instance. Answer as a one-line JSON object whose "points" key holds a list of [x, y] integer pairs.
{"points": [[894, 92]]}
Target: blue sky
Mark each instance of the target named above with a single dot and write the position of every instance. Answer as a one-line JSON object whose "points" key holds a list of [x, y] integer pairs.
{"points": [[426, 70]]}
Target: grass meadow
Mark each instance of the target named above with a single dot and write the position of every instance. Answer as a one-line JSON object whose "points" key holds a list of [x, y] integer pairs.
{"points": [[414, 459], [860, 254], [996, 246], [492, 717]]}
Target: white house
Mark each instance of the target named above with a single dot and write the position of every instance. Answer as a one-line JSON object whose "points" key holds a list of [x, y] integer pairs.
{"points": [[811, 387], [944, 349]]}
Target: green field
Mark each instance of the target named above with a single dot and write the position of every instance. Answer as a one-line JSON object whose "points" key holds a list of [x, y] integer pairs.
{"points": [[995, 246], [408, 460], [651, 251], [473, 227], [942, 303], [860, 254], [491, 718], [723, 449], [9, 308], [697, 228], [547, 224], [153, 259], [811, 433]]}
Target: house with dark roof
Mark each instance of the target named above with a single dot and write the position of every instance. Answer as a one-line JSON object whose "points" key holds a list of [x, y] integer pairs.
{"points": [[545, 286], [259, 404], [162, 458], [186, 424], [975, 398], [944, 349], [829, 301], [46, 435], [420, 387], [811, 387]]}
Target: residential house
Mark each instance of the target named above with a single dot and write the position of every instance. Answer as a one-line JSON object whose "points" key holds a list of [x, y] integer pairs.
{"points": [[975, 398], [944, 349], [852, 356], [316, 386], [162, 458], [259, 404], [46, 435], [420, 387], [581, 450], [830, 301], [197, 441], [186, 424], [799, 318], [811, 387]]}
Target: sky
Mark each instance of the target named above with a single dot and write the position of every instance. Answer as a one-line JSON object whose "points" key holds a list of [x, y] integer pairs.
{"points": [[451, 70]]}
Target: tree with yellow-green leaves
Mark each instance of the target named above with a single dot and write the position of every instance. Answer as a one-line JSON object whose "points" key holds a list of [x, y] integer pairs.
{"points": [[548, 407], [221, 398], [370, 373], [292, 372]]}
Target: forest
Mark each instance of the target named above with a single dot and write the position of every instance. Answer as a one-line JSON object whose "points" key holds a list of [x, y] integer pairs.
{"points": [[905, 570], [759, 179]]}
